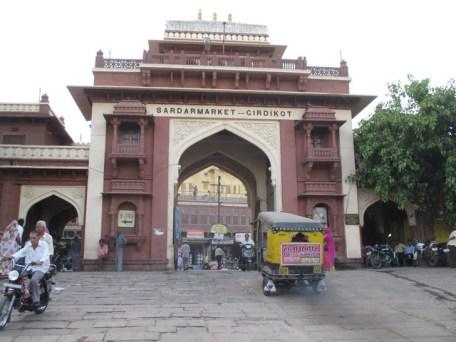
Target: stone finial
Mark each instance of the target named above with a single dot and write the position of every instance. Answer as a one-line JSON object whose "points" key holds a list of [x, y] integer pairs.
{"points": [[343, 69], [99, 60], [214, 16], [200, 15], [44, 98], [230, 17]]}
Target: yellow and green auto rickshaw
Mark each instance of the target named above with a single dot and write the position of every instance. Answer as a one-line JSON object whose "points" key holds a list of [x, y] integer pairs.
{"points": [[289, 251]]}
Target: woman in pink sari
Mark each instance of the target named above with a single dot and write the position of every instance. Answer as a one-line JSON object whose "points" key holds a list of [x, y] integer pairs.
{"points": [[330, 250], [8, 246]]}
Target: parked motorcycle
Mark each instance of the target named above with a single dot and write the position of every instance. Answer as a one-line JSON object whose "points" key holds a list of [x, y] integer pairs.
{"points": [[247, 256], [436, 254], [382, 256], [16, 294]]}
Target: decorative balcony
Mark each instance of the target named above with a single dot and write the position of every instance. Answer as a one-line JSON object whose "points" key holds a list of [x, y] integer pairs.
{"points": [[322, 154], [320, 188]]}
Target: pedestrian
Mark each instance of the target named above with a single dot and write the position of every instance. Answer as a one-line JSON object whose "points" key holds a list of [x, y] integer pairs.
{"points": [[399, 250], [75, 252], [329, 250], [8, 246], [180, 263], [452, 247], [43, 234], [20, 229], [121, 241], [185, 250], [219, 254], [102, 253]]}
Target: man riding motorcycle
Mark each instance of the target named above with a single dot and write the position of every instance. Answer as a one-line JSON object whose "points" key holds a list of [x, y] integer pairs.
{"points": [[36, 252], [247, 253]]}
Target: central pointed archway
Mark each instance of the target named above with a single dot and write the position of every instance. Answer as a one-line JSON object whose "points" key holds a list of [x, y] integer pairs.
{"points": [[251, 152]]}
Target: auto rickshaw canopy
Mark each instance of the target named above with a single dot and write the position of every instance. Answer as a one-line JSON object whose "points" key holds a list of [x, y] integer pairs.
{"points": [[280, 221]]}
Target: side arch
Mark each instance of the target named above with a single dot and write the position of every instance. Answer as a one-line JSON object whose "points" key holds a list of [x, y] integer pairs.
{"points": [[366, 197], [25, 207]]}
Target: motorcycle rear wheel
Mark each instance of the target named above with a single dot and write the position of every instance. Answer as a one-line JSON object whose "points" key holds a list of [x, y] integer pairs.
{"points": [[376, 262], [433, 261]]}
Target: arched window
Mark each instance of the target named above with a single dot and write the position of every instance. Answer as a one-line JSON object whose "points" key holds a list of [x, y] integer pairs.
{"points": [[129, 133], [126, 216]]}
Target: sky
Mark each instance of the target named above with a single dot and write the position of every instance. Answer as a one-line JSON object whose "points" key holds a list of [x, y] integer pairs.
{"points": [[50, 44]]}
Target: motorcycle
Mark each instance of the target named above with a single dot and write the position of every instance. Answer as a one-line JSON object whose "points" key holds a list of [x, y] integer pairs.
{"points": [[16, 294], [247, 256], [382, 256], [436, 254]]}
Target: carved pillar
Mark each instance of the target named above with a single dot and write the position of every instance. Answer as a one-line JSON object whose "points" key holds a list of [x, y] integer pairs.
{"points": [[112, 223], [334, 143], [141, 217], [115, 127], [142, 124], [308, 148], [203, 79], [214, 79], [141, 167]]}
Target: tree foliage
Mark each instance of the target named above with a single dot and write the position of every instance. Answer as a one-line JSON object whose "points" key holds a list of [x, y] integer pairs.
{"points": [[406, 152]]}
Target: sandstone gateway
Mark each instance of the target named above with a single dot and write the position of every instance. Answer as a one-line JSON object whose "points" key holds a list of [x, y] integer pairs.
{"points": [[208, 93]]}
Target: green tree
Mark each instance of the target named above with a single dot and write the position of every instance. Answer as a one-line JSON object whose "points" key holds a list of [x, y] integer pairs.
{"points": [[406, 152]]}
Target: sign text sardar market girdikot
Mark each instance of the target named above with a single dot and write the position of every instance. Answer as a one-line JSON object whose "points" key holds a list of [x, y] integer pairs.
{"points": [[222, 112]]}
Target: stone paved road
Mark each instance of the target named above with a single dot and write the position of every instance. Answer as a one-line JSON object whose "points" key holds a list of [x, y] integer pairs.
{"points": [[361, 305]]}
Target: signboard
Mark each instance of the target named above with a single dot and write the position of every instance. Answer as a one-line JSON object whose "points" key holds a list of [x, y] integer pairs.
{"points": [[126, 218], [300, 254], [240, 237], [225, 112], [218, 236], [352, 219], [229, 241], [219, 228], [195, 234]]}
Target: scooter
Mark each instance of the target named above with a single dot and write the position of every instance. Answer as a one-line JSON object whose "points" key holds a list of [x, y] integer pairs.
{"points": [[247, 256]]}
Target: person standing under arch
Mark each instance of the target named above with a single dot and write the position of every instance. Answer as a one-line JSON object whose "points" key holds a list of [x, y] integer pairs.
{"points": [[41, 230]]}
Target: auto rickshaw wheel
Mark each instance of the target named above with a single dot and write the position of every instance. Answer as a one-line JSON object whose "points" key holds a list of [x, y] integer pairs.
{"points": [[265, 281], [315, 286]]}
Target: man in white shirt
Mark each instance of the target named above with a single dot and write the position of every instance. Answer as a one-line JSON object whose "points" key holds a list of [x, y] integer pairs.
{"points": [[248, 240], [36, 251], [452, 247]]}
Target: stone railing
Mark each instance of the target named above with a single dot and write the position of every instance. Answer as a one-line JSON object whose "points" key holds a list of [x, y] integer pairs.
{"points": [[127, 185], [19, 107], [324, 116], [187, 197], [111, 63], [324, 71], [127, 149], [320, 187], [221, 60], [235, 37], [44, 152], [323, 153]]}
